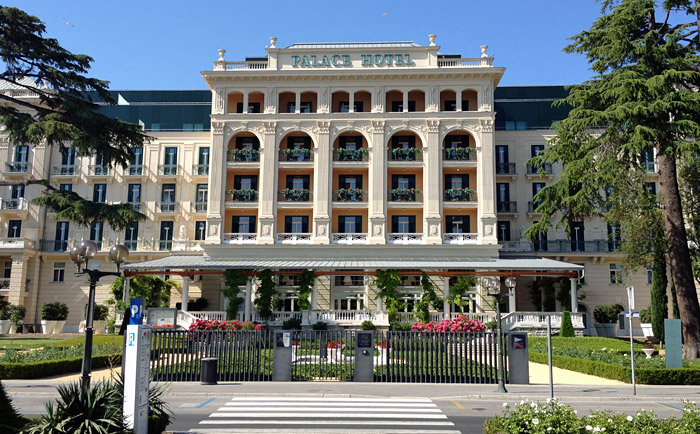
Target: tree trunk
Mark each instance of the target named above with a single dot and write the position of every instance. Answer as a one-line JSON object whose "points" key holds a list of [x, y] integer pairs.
{"points": [[679, 256]]}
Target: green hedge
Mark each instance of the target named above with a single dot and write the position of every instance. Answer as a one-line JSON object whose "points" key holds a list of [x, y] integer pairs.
{"points": [[53, 367], [621, 373]]}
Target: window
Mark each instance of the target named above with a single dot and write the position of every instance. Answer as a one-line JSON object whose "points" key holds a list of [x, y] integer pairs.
{"points": [[167, 193], [166, 235], [59, 272], [202, 193], [536, 150], [200, 230], [503, 198], [296, 224], [576, 233], [8, 270], [131, 236], [457, 141], [536, 188], [14, 229], [21, 153], [397, 106], [99, 193], [350, 142], [17, 194], [170, 157], [67, 162], [203, 165], [133, 194], [66, 187], [96, 230], [253, 107], [243, 224], [457, 224], [403, 224], [345, 106], [136, 164], [246, 182], [615, 274], [61, 240], [502, 163], [304, 107], [350, 181], [614, 236], [350, 224], [451, 106], [540, 243], [650, 188], [503, 231], [298, 182]]}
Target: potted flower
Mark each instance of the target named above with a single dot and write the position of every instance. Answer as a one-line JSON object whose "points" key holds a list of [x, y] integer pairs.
{"points": [[49, 316], [99, 317], [605, 318], [17, 318], [62, 316], [5, 323], [645, 319], [648, 348]]}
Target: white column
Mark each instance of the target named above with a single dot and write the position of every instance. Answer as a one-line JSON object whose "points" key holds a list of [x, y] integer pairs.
{"points": [[511, 299], [127, 284], [458, 100], [445, 294], [405, 101], [297, 102], [352, 101], [245, 102], [248, 299], [314, 295], [574, 295], [185, 292]]}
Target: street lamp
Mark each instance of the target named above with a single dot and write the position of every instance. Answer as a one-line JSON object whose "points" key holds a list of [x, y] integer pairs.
{"points": [[493, 289], [81, 254], [510, 284]]}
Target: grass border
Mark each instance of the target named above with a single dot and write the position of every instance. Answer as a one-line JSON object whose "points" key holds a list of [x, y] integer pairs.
{"points": [[48, 368]]}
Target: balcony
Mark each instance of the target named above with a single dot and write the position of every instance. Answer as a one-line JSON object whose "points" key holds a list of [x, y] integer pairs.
{"points": [[506, 207], [19, 243], [98, 171], [198, 207], [240, 238], [166, 207], [540, 169], [200, 170], [283, 238], [532, 207], [296, 155], [13, 206], [133, 170], [243, 156], [168, 170], [406, 154], [137, 206], [65, 171], [559, 246], [18, 168], [405, 195], [132, 245], [459, 154], [405, 238], [246, 195], [294, 195], [460, 195], [351, 155], [54, 245], [460, 239], [350, 238], [165, 245], [349, 195], [505, 168]]}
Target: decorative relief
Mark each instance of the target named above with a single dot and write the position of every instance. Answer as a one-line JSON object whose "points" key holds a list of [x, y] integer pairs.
{"points": [[377, 230], [433, 230], [433, 126], [489, 229], [213, 230], [219, 102], [486, 125], [267, 230], [270, 127], [324, 127], [4, 142], [322, 230], [218, 127], [378, 127]]}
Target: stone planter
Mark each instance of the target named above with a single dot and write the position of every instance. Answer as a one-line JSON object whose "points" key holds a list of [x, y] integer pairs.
{"points": [[648, 352], [606, 330], [5, 326], [59, 327], [98, 327], [48, 326], [647, 330]]}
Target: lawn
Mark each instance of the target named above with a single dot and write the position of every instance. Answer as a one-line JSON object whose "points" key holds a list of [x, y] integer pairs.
{"points": [[23, 343]]}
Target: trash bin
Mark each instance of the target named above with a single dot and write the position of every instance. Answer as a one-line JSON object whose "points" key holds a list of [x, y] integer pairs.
{"points": [[208, 371]]}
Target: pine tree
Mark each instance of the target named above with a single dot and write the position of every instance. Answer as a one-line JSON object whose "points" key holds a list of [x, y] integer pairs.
{"points": [[567, 327], [643, 98]]}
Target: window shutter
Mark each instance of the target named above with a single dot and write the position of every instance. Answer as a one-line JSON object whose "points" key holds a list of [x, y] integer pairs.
{"points": [[467, 224], [254, 182], [307, 142], [307, 180], [288, 224], [305, 224], [465, 181], [394, 181], [290, 181], [342, 181], [252, 224], [235, 224], [341, 142], [412, 181], [412, 224], [237, 182], [239, 107], [359, 106], [358, 224], [465, 105], [395, 224], [341, 224], [448, 106], [359, 182]]}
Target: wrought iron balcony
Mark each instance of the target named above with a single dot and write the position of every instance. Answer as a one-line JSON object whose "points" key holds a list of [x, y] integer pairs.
{"points": [[405, 195], [506, 206], [544, 168], [341, 154], [243, 156], [18, 167], [294, 195], [406, 154], [245, 195], [349, 195], [460, 195], [166, 207], [505, 168], [297, 155], [459, 154]]}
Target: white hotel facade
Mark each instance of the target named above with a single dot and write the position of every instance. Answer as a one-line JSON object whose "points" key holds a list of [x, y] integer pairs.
{"points": [[340, 158]]}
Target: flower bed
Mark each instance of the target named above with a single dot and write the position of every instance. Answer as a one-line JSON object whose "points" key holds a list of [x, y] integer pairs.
{"points": [[215, 324], [458, 324]]}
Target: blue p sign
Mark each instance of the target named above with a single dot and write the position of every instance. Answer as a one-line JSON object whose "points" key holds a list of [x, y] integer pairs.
{"points": [[136, 311]]}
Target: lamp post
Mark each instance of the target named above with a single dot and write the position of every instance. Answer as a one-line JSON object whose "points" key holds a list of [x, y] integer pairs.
{"points": [[493, 290], [81, 254]]}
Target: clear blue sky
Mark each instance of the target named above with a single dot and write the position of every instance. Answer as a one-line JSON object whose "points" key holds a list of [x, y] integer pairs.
{"points": [[164, 44]]}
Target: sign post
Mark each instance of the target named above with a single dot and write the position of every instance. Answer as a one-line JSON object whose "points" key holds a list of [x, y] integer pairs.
{"points": [[136, 377], [630, 303]]}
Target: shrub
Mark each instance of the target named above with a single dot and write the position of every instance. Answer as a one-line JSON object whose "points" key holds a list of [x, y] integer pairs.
{"points": [[54, 311], [10, 420], [4, 310], [491, 325], [645, 315], [17, 314], [607, 314], [401, 326], [319, 326], [457, 324], [292, 324], [99, 312], [367, 325], [215, 324], [567, 327], [30, 370]]}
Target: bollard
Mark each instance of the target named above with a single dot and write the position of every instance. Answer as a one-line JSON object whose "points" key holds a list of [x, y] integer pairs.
{"points": [[208, 371]]}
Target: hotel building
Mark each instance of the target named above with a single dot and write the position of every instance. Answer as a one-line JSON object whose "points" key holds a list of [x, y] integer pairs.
{"points": [[341, 158]]}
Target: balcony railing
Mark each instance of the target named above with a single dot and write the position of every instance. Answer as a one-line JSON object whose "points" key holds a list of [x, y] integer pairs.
{"points": [[463, 238], [459, 154], [297, 155], [98, 170], [505, 168], [54, 245], [247, 195], [240, 238], [405, 195], [405, 238], [243, 156], [465, 62], [559, 246], [506, 206], [13, 204], [406, 154], [65, 170], [294, 238], [132, 245], [248, 64], [532, 206], [341, 154], [133, 170], [200, 170], [168, 169], [294, 195], [18, 167], [166, 207], [545, 168], [460, 195], [198, 207], [349, 195], [137, 206], [165, 245], [349, 238]]}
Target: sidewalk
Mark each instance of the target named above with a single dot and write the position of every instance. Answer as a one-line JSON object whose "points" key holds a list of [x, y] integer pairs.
{"points": [[539, 374]]}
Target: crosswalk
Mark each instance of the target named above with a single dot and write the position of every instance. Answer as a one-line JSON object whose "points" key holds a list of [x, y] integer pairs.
{"points": [[329, 415]]}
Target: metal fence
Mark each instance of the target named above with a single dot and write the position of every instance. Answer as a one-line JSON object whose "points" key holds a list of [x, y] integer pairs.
{"points": [[243, 355], [323, 355]]}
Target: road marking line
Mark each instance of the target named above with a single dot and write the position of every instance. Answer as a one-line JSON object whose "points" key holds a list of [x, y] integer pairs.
{"points": [[295, 398], [321, 431], [264, 415], [205, 403], [321, 422], [262, 408], [326, 404], [458, 405], [669, 406]]}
